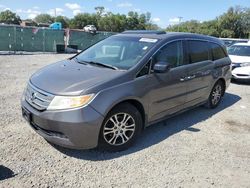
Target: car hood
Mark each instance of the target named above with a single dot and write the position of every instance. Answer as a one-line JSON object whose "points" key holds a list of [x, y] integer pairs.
{"points": [[71, 78], [242, 70], [239, 59]]}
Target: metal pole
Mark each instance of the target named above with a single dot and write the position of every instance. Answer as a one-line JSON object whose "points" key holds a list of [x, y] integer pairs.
{"points": [[180, 18], [15, 46], [43, 40]]}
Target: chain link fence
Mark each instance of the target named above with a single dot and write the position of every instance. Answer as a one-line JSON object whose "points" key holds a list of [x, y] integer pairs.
{"points": [[35, 39]]}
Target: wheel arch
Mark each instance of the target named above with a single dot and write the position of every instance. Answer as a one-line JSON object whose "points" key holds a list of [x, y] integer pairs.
{"points": [[136, 103]]}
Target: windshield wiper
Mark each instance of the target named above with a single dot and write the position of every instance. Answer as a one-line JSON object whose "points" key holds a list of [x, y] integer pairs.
{"points": [[101, 64], [78, 61]]}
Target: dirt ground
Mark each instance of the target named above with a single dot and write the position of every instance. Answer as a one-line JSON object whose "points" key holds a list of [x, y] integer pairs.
{"points": [[199, 148]]}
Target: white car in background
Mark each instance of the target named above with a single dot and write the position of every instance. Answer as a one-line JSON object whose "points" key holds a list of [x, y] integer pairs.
{"points": [[90, 29], [239, 54]]}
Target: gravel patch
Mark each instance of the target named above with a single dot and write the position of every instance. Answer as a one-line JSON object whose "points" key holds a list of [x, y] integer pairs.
{"points": [[199, 148]]}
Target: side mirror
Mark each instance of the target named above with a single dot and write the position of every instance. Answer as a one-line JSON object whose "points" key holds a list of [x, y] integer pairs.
{"points": [[161, 67]]}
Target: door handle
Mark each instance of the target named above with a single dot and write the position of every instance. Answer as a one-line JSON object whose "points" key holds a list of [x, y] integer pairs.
{"points": [[182, 79], [191, 77]]}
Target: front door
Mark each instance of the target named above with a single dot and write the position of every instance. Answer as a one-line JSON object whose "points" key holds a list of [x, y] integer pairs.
{"points": [[169, 92]]}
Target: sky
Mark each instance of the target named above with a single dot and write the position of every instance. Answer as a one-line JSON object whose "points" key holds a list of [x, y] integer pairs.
{"points": [[163, 12]]}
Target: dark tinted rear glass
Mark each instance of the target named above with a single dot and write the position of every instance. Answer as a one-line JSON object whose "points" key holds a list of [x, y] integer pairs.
{"points": [[198, 51], [217, 51]]}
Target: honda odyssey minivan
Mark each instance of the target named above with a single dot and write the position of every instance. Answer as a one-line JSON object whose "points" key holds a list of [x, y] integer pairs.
{"points": [[107, 94]]}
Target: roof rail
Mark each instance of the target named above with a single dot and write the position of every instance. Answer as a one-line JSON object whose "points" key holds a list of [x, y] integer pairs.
{"points": [[144, 32]]}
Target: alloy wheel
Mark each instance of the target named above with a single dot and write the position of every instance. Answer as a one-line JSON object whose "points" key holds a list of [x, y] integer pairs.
{"points": [[119, 129], [216, 94]]}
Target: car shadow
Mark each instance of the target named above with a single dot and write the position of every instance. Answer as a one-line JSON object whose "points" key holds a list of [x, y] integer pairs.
{"points": [[5, 173], [158, 132]]}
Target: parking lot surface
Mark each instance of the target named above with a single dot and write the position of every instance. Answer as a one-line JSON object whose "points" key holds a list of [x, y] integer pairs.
{"points": [[199, 148]]}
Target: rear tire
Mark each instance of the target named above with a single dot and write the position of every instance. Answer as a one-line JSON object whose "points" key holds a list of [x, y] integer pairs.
{"points": [[216, 95], [120, 128]]}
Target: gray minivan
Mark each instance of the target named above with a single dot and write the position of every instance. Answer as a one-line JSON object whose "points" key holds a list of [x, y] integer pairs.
{"points": [[107, 94]]}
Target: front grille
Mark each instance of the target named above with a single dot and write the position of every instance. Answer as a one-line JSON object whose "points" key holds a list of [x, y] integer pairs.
{"points": [[38, 99], [242, 75]]}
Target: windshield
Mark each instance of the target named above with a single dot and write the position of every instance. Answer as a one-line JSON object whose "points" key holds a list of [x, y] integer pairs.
{"points": [[239, 50], [122, 52]]}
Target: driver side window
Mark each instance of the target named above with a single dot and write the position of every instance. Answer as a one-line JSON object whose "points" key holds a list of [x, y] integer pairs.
{"points": [[171, 53]]}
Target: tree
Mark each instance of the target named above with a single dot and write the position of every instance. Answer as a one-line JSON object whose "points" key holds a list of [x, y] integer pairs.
{"points": [[235, 23], [245, 21], [133, 20], [192, 26], [226, 33], [99, 11], [148, 17], [64, 21], [151, 26], [44, 18], [9, 17], [108, 21], [81, 20], [230, 23], [209, 28]]}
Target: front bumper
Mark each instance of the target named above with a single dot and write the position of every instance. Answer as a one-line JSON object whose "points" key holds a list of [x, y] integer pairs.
{"points": [[241, 77], [241, 74], [75, 128]]}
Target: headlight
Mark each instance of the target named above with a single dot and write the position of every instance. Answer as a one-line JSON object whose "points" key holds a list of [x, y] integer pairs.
{"points": [[67, 102], [245, 64]]}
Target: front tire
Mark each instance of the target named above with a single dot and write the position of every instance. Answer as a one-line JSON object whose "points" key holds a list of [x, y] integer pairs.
{"points": [[120, 128]]}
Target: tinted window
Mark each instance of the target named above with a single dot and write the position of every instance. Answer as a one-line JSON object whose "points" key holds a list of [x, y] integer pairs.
{"points": [[198, 51], [217, 51], [171, 53]]}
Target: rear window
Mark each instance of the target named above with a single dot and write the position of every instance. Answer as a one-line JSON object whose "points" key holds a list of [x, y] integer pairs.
{"points": [[198, 51], [217, 51]]}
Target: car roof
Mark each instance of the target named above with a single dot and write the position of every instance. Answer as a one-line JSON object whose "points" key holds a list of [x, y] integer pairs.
{"points": [[169, 35]]}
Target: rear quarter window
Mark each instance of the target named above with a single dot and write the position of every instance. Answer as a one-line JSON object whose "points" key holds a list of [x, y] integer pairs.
{"points": [[217, 51], [198, 51]]}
